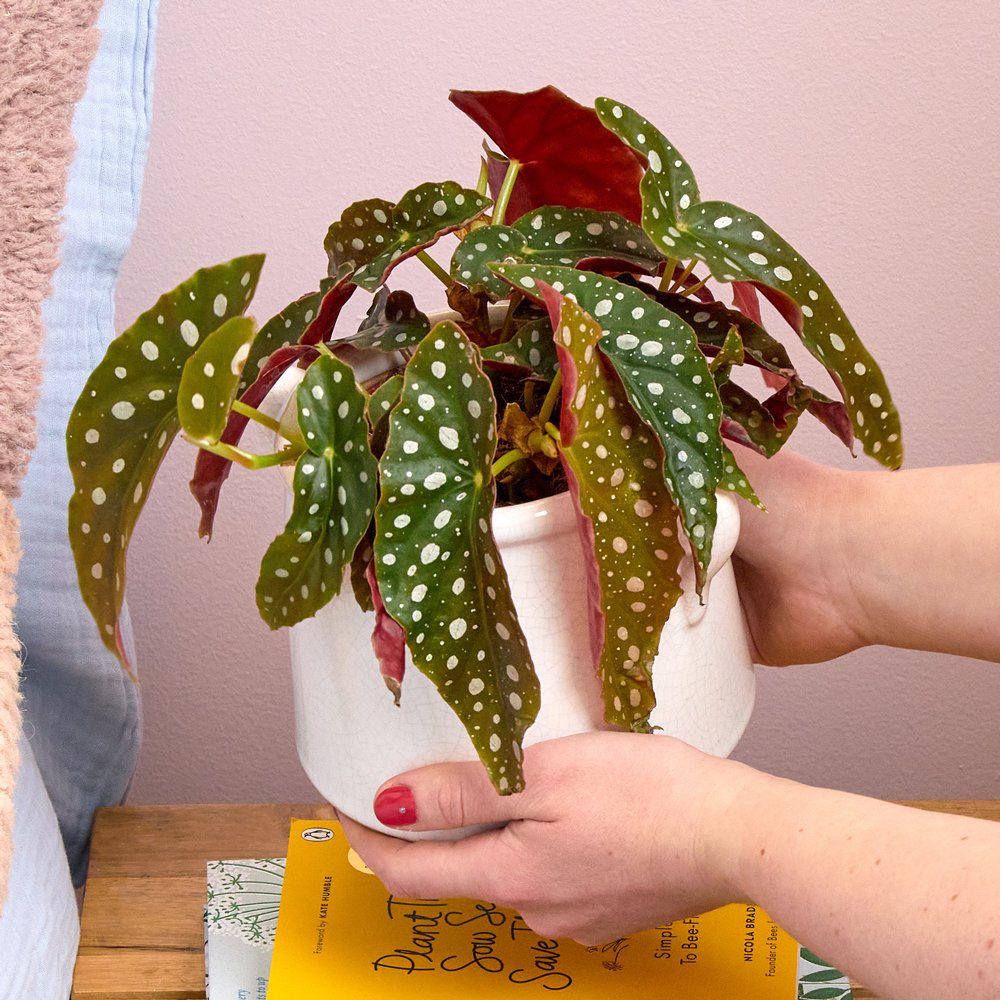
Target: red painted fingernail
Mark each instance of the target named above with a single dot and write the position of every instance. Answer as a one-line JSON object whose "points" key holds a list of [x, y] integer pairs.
{"points": [[395, 806]]}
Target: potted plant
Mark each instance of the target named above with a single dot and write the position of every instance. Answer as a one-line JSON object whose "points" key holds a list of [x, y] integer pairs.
{"points": [[589, 366]]}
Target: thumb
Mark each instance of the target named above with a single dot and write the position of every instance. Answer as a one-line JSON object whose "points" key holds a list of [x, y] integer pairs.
{"points": [[446, 797]]}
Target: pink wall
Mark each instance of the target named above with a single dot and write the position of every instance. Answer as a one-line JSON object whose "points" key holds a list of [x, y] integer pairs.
{"points": [[865, 133]]}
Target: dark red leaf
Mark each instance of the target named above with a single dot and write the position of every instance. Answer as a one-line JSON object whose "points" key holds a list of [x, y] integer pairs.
{"points": [[210, 470], [568, 157], [320, 329], [745, 299]]}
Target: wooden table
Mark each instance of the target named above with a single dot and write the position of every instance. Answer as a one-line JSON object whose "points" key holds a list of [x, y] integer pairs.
{"points": [[142, 936]]}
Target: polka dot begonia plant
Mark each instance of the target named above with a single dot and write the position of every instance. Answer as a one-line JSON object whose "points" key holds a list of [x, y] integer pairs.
{"points": [[593, 347]]}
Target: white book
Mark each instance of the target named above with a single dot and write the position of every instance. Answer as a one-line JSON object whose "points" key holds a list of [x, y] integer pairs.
{"points": [[241, 917]]}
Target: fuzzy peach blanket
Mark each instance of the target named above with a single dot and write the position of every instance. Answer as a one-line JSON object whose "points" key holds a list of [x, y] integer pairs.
{"points": [[45, 49]]}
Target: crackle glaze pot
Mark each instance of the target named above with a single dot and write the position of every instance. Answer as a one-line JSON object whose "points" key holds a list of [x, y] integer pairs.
{"points": [[351, 737]]}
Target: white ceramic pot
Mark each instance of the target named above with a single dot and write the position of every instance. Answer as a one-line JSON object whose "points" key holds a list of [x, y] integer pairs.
{"points": [[351, 737]]}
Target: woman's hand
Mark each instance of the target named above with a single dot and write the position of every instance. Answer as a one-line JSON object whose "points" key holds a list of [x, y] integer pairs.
{"points": [[795, 563], [848, 559], [615, 833]]}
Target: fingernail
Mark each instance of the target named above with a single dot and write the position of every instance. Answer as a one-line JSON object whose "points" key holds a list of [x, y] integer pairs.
{"points": [[395, 806]]}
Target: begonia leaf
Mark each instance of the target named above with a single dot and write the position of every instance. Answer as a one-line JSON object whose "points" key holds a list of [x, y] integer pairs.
{"points": [[667, 381], [333, 496], [309, 319], [731, 352], [393, 322], [437, 563], [567, 157], [764, 428], [628, 521], [210, 379], [282, 330], [738, 246], [712, 321], [125, 419], [553, 236], [212, 470], [531, 349], [373, 236], [378, 407], [734, 479]]}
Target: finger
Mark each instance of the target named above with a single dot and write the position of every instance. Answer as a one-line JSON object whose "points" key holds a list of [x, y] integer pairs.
{"points": [[425, 869], [446, 797]]}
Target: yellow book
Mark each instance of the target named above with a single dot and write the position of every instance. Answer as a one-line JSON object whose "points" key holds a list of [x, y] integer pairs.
{"points": [[341, 934]]}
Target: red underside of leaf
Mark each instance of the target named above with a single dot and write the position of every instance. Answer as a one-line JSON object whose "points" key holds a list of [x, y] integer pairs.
{"points": [[388, 640], [211, 471], [568, 157], [320, 329], [745, 299], [733, 431]]}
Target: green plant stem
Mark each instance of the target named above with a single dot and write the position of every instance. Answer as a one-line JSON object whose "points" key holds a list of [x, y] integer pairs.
{"points": [[684, 275], [506, 459], [435, 268], [549, 403], [668, 273], [245, 458], [503, 198], [484, 176], [254, 414], [553, 432], [691, 289]]}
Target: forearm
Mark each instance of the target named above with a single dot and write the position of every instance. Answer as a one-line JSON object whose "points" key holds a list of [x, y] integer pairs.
{"points": [[928, 559], [904, 900], [846, 559]]}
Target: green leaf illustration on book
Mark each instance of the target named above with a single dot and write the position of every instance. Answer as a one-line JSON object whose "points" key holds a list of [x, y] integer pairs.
{"points": [[243, 897]]}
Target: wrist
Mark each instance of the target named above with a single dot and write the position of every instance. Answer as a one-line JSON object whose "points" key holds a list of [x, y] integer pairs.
{"points": [[729, 835]]}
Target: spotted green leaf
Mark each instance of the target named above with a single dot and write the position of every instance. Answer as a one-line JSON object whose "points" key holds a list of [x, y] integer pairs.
{"points": [[734, 479], [667, 381], [552, 236], [393, 322], [531, 348], [282, 330], [125, 419], [712, 322], [437, 564], [210, 379], [373, 236], [628, 519], [333, 496], [378, 408], [738, 245], [668, 187], [730, 353]]}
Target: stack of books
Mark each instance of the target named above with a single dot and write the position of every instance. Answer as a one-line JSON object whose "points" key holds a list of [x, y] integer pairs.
{"points": [[319, 924]]}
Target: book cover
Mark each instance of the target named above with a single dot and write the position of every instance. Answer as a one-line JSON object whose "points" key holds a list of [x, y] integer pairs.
{"points": [[241, 916], [340, 933]]}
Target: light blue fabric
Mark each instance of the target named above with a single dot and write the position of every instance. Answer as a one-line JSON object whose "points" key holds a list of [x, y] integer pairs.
{"points": [[39, 927], [82, 713]]}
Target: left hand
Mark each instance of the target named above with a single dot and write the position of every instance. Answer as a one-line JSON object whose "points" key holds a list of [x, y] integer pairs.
{"points": [[615, 833]]}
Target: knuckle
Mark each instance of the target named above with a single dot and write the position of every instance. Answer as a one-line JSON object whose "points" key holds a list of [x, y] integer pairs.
{"points": [[451, 804]]}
